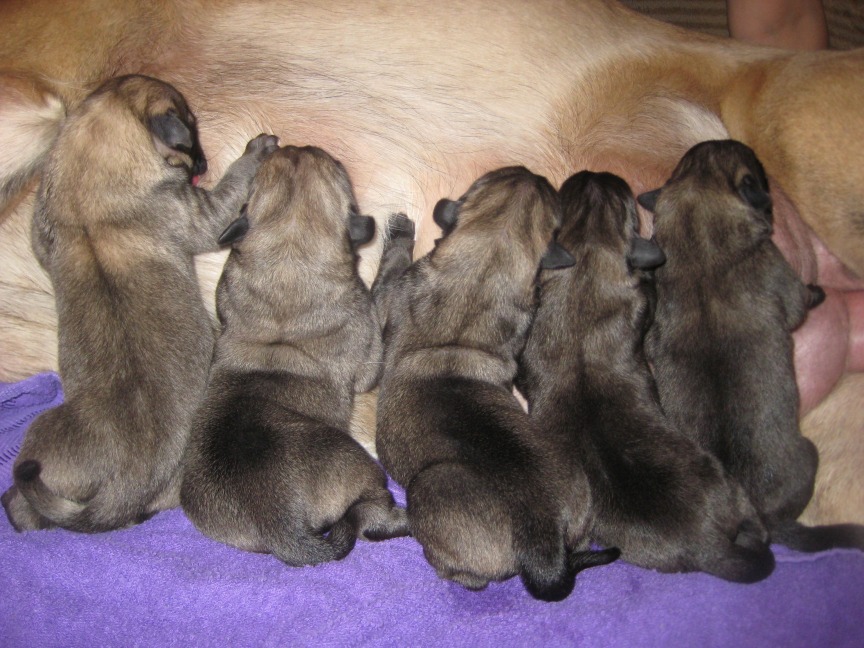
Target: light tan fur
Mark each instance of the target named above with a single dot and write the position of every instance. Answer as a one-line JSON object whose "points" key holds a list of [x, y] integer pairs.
{"points": [[116, 226], [418, 98]]}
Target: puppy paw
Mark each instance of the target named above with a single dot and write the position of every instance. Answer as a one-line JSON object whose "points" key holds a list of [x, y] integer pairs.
{"points": [[400, 229], [262, 146]]}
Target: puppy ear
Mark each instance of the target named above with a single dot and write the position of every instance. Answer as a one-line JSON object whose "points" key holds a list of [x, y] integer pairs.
{"points": [[446, 213], [816, 295], [556, 257], [649, 199], [171, 132], [645, 254], [236, 230], [361, 229], [751, 191], [175, 139]]}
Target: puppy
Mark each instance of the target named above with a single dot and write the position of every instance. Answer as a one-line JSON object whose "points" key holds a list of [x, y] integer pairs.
{"points": [[116, 225], [721, 344], [481, 485], [655, 494], [270, 465]]}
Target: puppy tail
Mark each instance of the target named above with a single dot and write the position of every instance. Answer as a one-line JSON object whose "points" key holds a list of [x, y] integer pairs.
{"points": [[30, 118], [819, 538], [309, 547], [58, 510]]}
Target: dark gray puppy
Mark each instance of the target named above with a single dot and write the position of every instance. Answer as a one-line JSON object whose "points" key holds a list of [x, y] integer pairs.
{"points": [[655, 493], [482, 487], [116, 225], [721, 345], [270, 465]]}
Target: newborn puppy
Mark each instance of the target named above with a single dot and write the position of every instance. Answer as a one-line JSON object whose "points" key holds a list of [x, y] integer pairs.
{"points": [[116, 225], [482, 486], [721, 345], [655, 494], [270, 466]]}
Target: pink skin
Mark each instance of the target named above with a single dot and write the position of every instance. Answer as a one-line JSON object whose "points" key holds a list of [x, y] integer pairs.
{"points": [[830, 343]]}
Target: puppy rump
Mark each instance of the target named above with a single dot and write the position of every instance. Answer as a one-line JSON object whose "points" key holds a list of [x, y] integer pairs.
{"points": [[271, 466]]}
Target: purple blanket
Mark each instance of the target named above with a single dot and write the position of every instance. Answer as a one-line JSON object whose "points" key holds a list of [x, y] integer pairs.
{"points": [[163, 583]]}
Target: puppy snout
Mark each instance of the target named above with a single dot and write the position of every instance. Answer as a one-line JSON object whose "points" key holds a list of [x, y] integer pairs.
{"points": [[199, 168]]}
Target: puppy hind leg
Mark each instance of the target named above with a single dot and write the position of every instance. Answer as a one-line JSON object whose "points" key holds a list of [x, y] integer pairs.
{"points": [[376, 517], [22, 516], [544, 564], [59, 510], [746, 559], [799, 537], [549, 557], [300, 547]]}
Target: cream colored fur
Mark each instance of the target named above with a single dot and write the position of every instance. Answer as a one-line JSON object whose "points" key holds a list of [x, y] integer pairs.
{"points": [[418, 98]]}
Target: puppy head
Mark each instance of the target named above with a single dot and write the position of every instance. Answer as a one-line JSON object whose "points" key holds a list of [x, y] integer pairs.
{"points": [[301, 203], [716, 201], [599, 211], [164, 113], [508, 217]]}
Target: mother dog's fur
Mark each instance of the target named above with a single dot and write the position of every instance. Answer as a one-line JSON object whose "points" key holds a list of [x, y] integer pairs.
{"points": [[420, 98]]}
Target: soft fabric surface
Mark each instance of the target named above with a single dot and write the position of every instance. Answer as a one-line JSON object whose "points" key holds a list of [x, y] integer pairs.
{"points": [[162, 583]]}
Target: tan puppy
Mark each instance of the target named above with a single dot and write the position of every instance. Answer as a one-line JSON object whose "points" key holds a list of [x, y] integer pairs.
{"points": [[117, 224], [721, 344], [270, 465], [656, 494], [607, 89], [484, 493]]}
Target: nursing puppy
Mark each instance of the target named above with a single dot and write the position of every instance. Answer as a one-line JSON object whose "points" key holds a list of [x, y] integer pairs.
{"points": [[619, 91], [116, 225], [482, 486], [270, 466], [721, 345], [655, 494]]}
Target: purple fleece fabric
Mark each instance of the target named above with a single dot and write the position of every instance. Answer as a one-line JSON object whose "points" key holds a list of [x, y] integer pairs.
{"points": [[163, 583]]}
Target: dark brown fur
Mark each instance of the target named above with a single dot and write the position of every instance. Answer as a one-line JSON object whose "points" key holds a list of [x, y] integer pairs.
{"points": [[481, 485], [116, 225], [270, 466], [655, 494], [721, 345]]}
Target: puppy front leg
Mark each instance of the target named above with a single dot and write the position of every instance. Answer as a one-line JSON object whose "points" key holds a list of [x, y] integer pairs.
{"points": [[395, 260], [217, 208]]}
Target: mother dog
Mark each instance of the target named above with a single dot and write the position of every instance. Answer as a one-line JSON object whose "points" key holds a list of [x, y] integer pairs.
{"points": [[418, 98]]}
